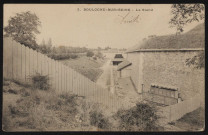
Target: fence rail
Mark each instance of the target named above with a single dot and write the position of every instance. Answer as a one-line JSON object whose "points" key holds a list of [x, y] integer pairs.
{"points": [[160, 99], [20, 62], [176, 111]]}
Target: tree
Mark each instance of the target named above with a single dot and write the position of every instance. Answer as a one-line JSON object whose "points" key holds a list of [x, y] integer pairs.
{"points": [[186, 13], [62, 49], [99, 48], [50, 43], [99, 54], [90, 54], [43, 43], [23, 27], [198, 61], [107, 48], [182, 15]]}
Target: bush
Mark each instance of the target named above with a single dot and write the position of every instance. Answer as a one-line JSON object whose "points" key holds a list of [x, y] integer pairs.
{"points": [[99, 55], [73, 56], [140, 118], [41, 81], [90, 54], [99, 120], [62, 56]]}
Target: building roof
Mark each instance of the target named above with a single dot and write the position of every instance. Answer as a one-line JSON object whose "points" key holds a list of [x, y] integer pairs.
{"points": [[118, 59], [165, 87], [194, 38], [168, 50], [118, 56], [123, 65]]}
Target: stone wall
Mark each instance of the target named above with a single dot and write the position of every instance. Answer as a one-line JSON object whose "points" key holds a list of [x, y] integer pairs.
{"points": [[166, 68], [136, 67]]}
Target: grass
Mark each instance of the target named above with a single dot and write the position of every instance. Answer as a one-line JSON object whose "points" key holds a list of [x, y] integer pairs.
{"points": [[36, 109], [27, 109], [39, 110], [86, 66], [192, 39]]}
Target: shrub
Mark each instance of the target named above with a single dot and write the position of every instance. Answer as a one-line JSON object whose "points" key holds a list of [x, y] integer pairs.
{"points": [[62, 56], [140, 118], [41, 81], [90, 54], [99, 55], [99, 120], [74, 56]]}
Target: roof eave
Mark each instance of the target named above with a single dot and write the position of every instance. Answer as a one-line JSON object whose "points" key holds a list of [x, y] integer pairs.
{"points": [[167, 50], [124, 67]]}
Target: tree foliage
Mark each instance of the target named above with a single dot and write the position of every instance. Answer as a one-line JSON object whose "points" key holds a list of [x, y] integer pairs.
{"points": [[142, 117], [50, 42], [197, 61], [99, 55], [186, 13], [90, 54], [182, 15], [23, 27]]}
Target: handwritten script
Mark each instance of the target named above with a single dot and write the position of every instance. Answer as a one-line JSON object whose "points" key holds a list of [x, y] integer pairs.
{"points": [[129, 18]]}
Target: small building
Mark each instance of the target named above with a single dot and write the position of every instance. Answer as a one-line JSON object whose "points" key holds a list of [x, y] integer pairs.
{"points": [[117, 59], [124, 69]]}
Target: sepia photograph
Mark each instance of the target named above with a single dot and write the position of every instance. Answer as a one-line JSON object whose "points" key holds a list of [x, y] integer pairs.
{"points": [[103, 67]]}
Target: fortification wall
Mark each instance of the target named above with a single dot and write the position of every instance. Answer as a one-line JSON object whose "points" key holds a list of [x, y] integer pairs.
{"points": [[166, 68]]}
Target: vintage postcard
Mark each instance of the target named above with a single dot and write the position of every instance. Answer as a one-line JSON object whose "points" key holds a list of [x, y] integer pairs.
{"points": [[103, 67]]}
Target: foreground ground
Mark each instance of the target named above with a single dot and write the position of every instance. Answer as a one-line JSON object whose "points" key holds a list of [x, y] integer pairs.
{"points": [[104, 78], [28, 109]]}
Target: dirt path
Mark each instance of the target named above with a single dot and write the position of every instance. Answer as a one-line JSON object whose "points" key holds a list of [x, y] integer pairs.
{"points": [[103, 80], [127, 93]]}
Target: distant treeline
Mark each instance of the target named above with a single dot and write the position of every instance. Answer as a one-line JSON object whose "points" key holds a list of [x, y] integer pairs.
{"points": [[62, 52]]}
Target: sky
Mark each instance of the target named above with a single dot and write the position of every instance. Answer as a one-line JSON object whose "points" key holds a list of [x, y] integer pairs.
{"points": [[70, 25]]}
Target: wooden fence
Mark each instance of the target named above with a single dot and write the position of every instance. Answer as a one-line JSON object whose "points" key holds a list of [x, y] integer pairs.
{"points": [[20, 63], [160, 99], [176, 111]]}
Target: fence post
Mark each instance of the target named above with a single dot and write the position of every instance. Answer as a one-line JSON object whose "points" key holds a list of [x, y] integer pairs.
{"points": [[169, 115], [37, 62], [66, 78], [29, 60], [12, 59], [25, 63]]}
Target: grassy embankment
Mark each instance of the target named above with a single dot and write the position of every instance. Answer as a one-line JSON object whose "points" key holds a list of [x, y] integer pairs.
{"points": [[86, 66], [27, 108]]}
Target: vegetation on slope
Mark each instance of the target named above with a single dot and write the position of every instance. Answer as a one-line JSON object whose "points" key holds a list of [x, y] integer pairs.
{"points": [[26, 108], [142, 117], [86, 66], [194, 38]]}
